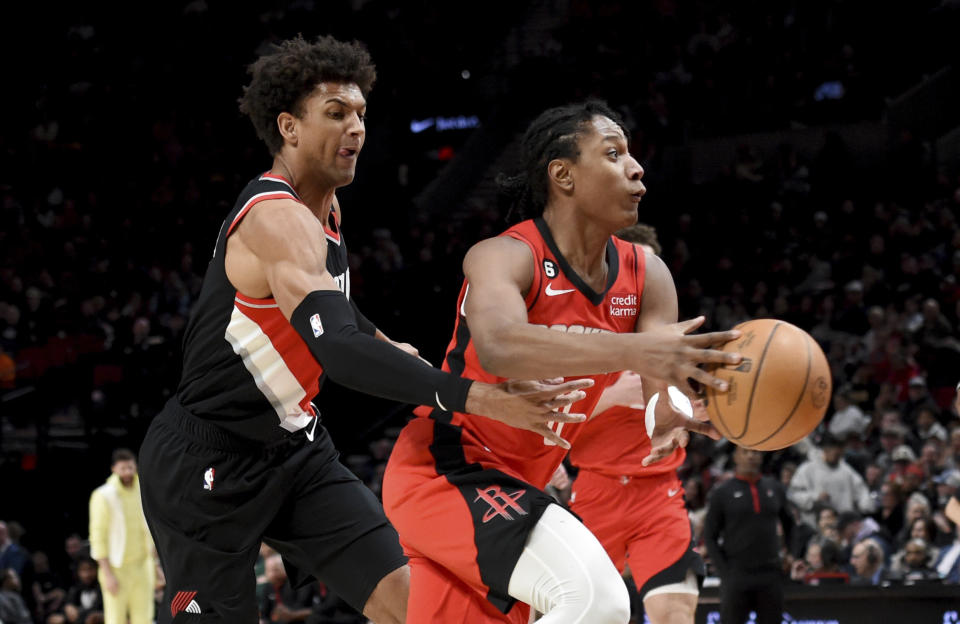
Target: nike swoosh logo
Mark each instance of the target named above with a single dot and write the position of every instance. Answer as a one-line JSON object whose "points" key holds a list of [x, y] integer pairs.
{"points": [[553, 293], [673, 492], [417, 127]]}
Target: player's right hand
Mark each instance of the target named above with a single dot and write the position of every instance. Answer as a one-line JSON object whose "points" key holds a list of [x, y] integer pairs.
{"points": [[529, 405], [111, 584], [670, 353]]}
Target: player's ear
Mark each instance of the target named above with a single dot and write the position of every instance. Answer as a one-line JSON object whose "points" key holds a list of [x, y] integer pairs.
{"points": [[560, 173], [287, 124]]}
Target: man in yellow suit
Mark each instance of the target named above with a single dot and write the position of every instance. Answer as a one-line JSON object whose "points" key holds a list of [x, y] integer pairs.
{"points": [[121, 544]]}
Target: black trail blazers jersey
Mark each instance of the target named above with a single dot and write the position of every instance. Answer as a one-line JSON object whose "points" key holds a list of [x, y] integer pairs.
{"points": [[244, 366]]}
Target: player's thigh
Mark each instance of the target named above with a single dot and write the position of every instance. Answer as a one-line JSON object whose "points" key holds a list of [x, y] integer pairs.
{"points": [[599, 502], [332, 527], [670, 608], [207, 539], [662, 552]]}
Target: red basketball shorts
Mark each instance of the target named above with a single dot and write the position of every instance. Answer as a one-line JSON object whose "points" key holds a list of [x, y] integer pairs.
{"points": [[463, 520], [641, 522]]}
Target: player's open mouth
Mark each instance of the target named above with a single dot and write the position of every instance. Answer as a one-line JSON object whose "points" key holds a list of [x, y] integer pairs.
{"points": [[347, 152], [637, 197]]}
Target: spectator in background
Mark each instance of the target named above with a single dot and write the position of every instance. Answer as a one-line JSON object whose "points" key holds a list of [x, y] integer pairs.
{"points": [[121, 544], [84, 602], [828, 478], [820, 564], [912, 563], [927, 425], [13, 609], [847, 417], [947, 564], [48, 587], [867, 562], [854, 528], [918, 507], [747, 512], [281, 603], [12, 555]]}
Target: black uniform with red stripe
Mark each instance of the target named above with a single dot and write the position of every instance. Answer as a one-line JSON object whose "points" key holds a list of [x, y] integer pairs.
{"points": [[237, 456]]}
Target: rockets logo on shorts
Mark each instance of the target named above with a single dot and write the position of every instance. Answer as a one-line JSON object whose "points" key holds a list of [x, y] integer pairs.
{"points": [[316, 325], [500, 502]]}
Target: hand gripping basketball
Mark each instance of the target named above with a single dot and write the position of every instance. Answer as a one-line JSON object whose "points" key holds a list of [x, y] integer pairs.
{"points": [[673, 355]]}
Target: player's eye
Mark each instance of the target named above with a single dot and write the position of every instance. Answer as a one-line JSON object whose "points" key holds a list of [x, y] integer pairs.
{"points": [[614, 154]]}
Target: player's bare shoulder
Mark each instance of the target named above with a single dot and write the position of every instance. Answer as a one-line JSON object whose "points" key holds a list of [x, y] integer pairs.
{"points": [[271, 231], [500, 258]]}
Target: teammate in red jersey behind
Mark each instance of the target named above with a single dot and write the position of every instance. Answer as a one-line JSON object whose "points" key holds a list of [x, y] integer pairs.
{"points": [[553, 296], [637, 511]]}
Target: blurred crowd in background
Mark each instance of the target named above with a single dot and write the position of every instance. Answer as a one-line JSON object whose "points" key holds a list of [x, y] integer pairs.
{"points": [[124, 151]]}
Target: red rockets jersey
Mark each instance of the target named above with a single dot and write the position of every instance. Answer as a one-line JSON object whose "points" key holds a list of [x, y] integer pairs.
{"points": [[560, 300], [614, 444]]}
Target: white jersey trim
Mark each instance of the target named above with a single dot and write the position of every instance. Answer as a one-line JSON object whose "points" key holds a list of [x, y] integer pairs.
{"points": [[270, 373]]}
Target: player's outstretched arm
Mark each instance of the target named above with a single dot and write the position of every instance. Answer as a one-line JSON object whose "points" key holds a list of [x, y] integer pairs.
{"points": [[288, 245], [500, 272]]}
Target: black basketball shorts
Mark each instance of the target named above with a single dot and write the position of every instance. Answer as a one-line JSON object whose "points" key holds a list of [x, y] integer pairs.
{"points": [[210, 497]]}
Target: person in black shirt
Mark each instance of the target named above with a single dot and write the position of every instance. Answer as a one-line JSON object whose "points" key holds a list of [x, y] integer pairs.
{"points": [[743, 514]]}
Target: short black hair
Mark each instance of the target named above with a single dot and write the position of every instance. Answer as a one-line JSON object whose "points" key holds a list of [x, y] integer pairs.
{"points": [[122, 454], [555, 133], [641, 234], [284, 78]]}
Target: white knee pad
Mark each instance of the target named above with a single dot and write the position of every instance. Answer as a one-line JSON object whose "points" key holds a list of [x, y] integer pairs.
{"points": [[565, 574]]}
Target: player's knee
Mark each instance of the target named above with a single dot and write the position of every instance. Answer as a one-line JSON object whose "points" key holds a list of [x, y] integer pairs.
{"points": [[611, 604], [388, 602]]}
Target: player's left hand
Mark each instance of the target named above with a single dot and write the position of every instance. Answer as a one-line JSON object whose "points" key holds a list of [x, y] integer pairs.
{"points": [[669, 421]]}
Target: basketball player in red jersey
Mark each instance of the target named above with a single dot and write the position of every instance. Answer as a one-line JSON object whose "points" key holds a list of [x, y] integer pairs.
{"points": [[637, 511], [553, 296], [236, 457]]}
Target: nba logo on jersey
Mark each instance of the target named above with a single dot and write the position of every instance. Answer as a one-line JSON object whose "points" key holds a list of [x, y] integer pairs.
{"points": [[316, 325], [208, 479]]}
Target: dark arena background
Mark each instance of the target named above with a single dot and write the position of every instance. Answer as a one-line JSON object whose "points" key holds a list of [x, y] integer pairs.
{"points": [[802, 162]]}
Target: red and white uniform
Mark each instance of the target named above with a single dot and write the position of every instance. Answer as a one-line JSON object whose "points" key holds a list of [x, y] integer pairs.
{"points": [[464, 491]]}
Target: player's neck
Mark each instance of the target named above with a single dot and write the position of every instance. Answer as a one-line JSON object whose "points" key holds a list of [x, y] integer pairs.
{"points": [[582, 243], [315, 193]]}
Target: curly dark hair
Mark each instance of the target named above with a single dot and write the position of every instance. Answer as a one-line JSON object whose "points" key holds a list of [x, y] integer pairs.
{"points": [[554, 134], [284, 78]]}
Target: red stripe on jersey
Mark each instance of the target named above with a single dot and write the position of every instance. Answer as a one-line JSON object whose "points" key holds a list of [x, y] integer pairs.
{"points": [[332, 234], [276, 177], [291, 347], [256, 199], [252, 301]]}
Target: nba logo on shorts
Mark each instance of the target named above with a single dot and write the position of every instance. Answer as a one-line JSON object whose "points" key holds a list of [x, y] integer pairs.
{"points": [[316, 325], [208, 479]]}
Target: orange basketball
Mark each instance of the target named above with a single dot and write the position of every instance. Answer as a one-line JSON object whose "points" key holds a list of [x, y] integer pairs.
{"points": [[780, 391]]}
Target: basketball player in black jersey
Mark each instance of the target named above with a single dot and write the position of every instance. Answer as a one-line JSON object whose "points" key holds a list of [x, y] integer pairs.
{"points": [[237, 456]]}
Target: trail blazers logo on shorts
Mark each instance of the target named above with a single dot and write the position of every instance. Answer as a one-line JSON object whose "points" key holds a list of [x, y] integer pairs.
{"points": [[500, 502], [184, 601]]}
